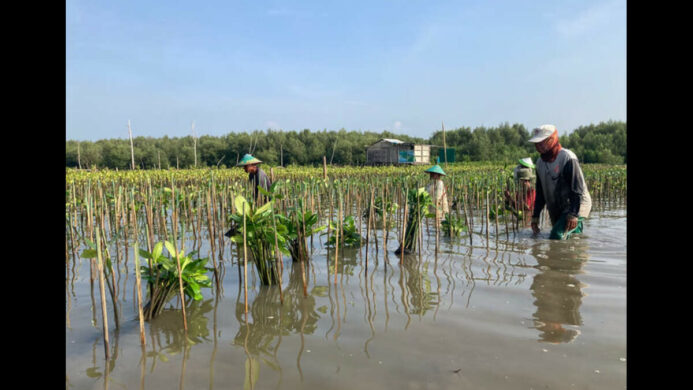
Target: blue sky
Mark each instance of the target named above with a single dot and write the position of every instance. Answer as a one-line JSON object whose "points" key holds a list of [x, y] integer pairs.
{"points": [[402, 66]]}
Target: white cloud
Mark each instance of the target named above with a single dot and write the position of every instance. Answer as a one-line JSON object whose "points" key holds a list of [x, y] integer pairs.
{"points": [[397, 125]]}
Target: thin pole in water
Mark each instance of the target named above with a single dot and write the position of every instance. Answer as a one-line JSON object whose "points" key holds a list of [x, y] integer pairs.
{"points": [[103, 292]]}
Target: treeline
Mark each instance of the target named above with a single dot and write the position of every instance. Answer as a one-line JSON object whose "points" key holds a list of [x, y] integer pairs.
{"points": [[602, 143]]}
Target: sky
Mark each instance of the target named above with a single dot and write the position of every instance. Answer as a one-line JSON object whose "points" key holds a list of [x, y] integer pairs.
{"points": [[406, 66]]}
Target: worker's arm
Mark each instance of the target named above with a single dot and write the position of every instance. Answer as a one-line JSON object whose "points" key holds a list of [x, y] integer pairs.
{"points": [[539, 203], [573, 177]]}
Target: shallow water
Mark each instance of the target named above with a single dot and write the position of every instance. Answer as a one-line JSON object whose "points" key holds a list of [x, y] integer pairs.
{"points": [[518, 312]]}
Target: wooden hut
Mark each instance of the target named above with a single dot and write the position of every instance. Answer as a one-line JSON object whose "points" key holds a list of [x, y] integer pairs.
{"points": [[390, 151]]}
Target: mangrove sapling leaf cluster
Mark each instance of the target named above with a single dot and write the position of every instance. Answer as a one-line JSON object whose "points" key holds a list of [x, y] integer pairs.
{"points": [[348, 236], [262, 227], [418, 201], [300, 225], [453, 226], [390, 207], [162, 277]]}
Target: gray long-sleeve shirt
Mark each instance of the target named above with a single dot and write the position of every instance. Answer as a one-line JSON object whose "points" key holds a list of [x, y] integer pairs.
{"points": [[561, 187], [259, 179]]}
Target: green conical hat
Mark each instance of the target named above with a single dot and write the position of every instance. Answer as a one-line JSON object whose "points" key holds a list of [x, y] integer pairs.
{"points": [[436, 169], [527, 161], [248, 159]]}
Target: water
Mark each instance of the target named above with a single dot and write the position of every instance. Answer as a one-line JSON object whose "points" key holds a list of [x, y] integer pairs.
{"points": [[517, 313]]}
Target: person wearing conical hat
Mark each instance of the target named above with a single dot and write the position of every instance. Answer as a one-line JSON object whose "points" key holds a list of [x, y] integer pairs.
{"points": [[256, 175], [439, 195], [522, 204], [560, 185]]}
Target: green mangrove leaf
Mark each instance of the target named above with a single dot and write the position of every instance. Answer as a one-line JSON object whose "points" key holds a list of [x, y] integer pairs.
{"points": [[89, 254], [171, 249], [264, 191], [158, 248], [264, 208], [242, 206]]}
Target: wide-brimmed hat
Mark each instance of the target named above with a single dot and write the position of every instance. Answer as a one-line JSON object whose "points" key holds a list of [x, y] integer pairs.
{"points": [[248, 160], [436, 169], [541, 133], [527, 162]]}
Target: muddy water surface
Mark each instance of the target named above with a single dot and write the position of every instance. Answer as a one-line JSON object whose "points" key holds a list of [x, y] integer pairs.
{"points": [[517, 312]]}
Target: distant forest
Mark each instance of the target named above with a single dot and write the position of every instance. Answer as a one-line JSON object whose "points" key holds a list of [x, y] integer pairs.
{"points": [[602, 143]]}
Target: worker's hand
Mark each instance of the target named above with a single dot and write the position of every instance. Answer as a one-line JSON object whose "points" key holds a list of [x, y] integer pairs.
{"points": [[535, 228], [507, 195], [570, 223]]}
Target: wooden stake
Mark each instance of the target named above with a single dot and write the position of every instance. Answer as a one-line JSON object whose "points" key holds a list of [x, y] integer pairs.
{"points": [[324, 168], [132, 148], [103, 294], [175, 247]]}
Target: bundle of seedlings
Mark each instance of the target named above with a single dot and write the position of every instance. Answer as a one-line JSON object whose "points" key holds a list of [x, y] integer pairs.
{"points": [[262, 229], [349, 235], [300, 225], [418, 201], [163, 280]]}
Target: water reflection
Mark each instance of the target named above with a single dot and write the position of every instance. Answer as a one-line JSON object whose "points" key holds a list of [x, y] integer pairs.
{"points": [[557, 291], [168, 324], [269, 319], [418, 284]]}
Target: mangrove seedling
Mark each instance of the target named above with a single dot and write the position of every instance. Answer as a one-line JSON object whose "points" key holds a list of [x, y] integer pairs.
{"points": [[260, 231], [349, 237], [163, 279], [452, 225], [300, 225]]}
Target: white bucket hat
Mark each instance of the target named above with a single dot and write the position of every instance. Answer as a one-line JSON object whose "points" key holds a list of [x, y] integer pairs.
{"points": [[542, 132]]}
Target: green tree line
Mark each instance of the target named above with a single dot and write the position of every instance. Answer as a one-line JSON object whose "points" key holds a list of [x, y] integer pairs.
{"points": [[601, 143]]}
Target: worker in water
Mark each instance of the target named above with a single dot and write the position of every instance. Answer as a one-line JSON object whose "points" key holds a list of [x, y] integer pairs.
{"points": [[439, 195], [560, 185], [256, 176], [522, 204]]}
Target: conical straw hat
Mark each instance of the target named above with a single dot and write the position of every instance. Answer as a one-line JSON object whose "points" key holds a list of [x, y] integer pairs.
{"points": [[248, 159]]}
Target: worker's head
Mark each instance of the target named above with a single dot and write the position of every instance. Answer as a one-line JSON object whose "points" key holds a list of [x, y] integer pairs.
{"points": [[249, 163], [435, 172], [250, 168], [544, 138], [523, 177]]}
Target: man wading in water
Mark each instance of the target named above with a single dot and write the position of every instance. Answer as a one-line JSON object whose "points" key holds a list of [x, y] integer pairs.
{"points": [[560, 185], [256, 177]]}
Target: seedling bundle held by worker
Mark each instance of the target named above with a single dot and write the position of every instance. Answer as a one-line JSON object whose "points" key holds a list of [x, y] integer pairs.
{"points": [[560, 185]]}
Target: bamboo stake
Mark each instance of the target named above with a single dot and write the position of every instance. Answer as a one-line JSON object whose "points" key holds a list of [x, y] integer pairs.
{"points": [[132, 147], [324, 168], [103, 296], [404, 229], [339, 223], [175, 247], [245, 263], [137, 274]]}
